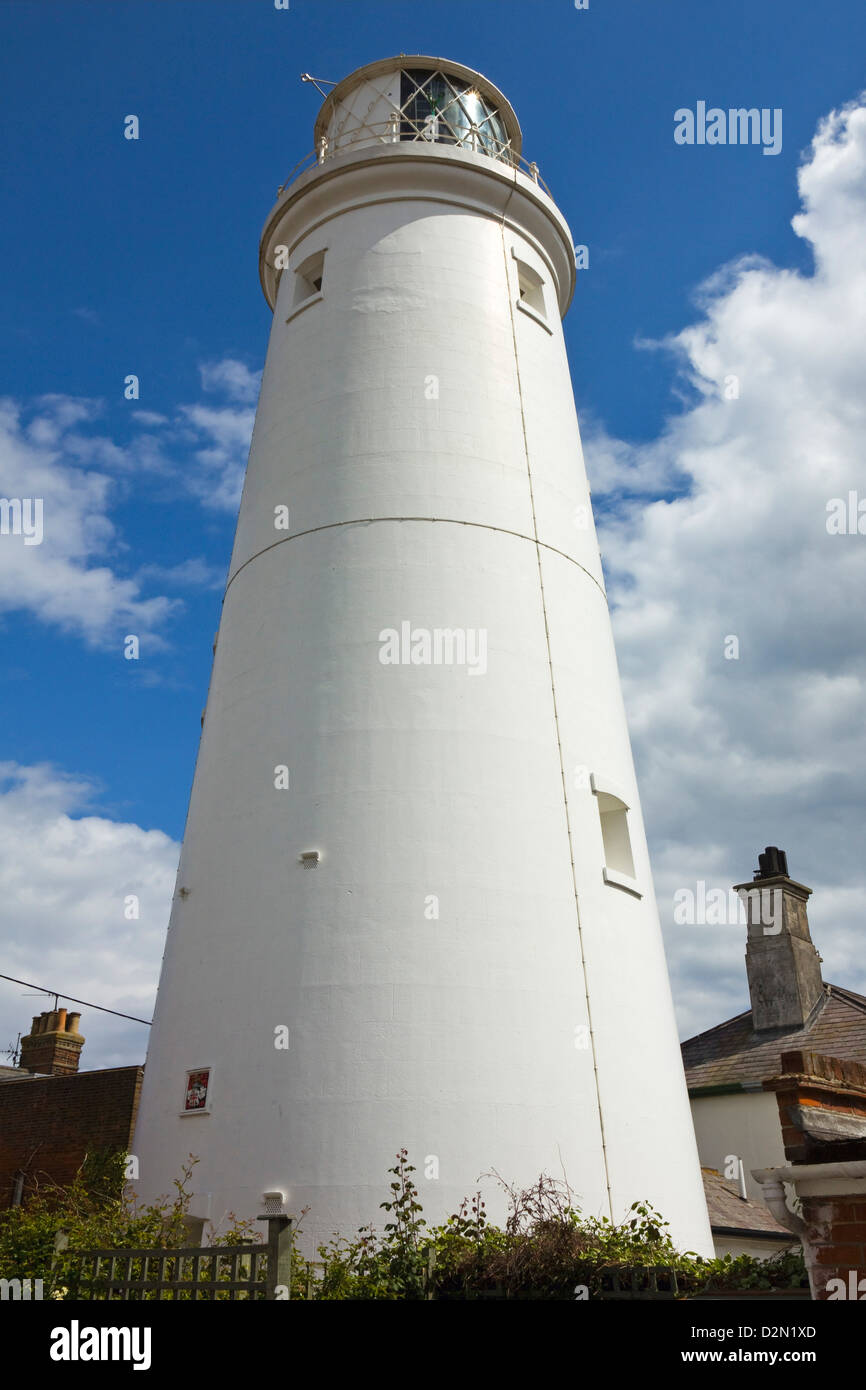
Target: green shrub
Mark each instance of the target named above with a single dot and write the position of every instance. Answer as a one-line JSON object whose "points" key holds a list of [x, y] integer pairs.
{"points": [[95, 1212], [547, 1249]]}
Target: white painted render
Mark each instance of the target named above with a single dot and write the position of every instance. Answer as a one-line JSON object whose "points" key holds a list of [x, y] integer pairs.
{"points": [[422, 431], [745, 1123], [758, 1249]]}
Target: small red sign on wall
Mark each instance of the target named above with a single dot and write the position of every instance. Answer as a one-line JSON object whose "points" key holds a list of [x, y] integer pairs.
{"points": [[197, 1083]]}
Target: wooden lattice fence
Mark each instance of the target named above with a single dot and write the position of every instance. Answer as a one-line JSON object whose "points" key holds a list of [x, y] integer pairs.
{"points": [[194, 1273]]}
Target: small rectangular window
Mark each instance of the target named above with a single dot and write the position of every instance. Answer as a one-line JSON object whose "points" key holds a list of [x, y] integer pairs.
{"points": [[618, 858], [308, 278], [613, 814], [530, 288]]}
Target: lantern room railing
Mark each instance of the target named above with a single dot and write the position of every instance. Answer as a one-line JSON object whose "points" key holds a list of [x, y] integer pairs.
{"points": [[433, 129]]}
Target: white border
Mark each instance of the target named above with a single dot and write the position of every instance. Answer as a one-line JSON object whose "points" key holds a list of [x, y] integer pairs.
{"points": [[618, 880], [605, 788], [305, 304], [205, 1109], [534, 314]]}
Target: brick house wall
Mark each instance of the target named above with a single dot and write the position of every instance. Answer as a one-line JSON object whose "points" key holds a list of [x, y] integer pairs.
{"points": [[49, 1123], [822, 1110], [822, 1107], [836, 1234]]}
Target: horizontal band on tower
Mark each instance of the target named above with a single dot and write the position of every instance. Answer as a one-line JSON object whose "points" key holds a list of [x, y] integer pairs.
{"points": [[448, 521]]}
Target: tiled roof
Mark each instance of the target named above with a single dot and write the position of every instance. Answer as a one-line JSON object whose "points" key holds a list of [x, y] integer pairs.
{"points": [[730, 1212], [733, 1054]]}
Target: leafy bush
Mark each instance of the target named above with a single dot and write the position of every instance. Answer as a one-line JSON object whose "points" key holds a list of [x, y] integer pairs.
{"points": [[95, 1212], [547, 1249]]}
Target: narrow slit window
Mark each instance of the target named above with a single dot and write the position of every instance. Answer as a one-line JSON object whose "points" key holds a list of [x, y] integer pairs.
{"points": [[618, 867], [613, 814], [530, 288], [309, 276]]}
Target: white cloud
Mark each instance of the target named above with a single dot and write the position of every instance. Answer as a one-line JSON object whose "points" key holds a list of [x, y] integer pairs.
{"points": [[194, 573], [231, 378], [57, 414], [149, 417], [628, 469], [65, 579], [771, 748], [50, 451], [65, 877], [219, 435], [223, 436]]}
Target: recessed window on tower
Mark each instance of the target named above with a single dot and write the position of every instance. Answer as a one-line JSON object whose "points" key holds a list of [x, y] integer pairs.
{"points": [[308, 277], [618, 859], [530, 288], [613, 814]]}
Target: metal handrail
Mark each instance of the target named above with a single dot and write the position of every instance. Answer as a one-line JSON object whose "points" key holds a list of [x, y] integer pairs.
{"points": [[400, 129]]}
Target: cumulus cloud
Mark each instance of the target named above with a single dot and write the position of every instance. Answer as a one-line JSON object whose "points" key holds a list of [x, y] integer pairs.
{"points": [[220, 438], [56, 461], [766, 746], [220, 435], [621, 469], [194, 573], [151, 418], [68, 878], [54, 560], [231, 378]]}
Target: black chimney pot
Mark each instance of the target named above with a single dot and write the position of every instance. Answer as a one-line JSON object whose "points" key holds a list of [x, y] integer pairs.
{"points": [[772, 863]]}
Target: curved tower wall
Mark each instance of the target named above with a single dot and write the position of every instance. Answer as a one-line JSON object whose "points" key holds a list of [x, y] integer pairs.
{"points": [[465, 971]]}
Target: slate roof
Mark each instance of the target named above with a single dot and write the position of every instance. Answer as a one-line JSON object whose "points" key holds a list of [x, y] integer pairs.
{"points": [[732, 1054], [729, 1212]]}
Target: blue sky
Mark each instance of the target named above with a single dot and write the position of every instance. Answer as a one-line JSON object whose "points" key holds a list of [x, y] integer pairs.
{"points": [[141, 257]]}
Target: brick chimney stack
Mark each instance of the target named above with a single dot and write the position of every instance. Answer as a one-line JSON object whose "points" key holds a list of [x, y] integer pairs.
{"points": [[53, 1045], [783, 967]]}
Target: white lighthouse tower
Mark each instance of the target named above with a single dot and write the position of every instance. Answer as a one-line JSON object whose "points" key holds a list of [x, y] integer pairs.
{"points": [[414, 905]]}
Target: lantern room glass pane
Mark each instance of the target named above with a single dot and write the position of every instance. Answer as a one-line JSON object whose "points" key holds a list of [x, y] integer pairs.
{"points": [[448, 111]]}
